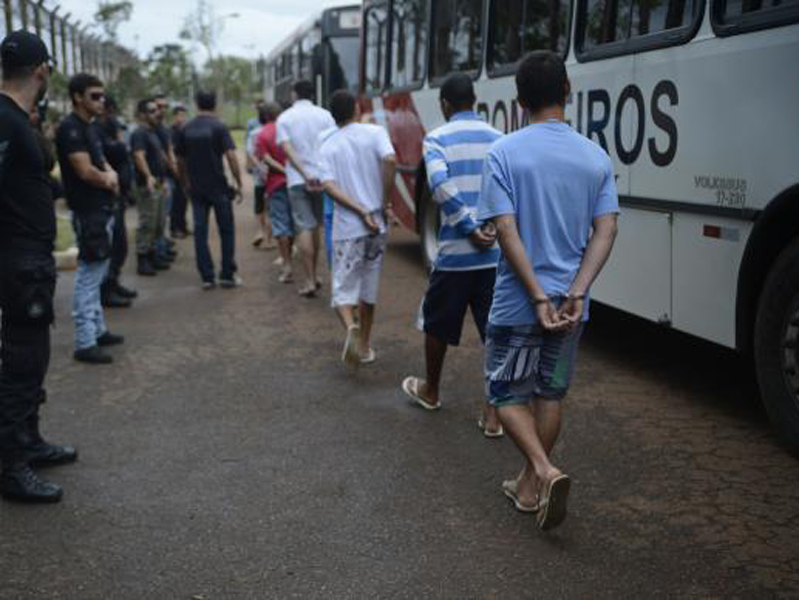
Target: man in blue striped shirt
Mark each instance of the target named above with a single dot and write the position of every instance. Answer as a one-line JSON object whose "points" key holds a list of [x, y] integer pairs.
{"points": [[464, 271]]}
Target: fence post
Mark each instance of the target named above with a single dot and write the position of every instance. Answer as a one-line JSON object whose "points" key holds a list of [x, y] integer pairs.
{"points": [[9, 16], [37, 17], [64, 54], [74, 38], [23, 13], [53, 42]]}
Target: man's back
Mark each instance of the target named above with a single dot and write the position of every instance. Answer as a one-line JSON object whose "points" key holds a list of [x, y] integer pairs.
{"points": [[202, 143], [26, 203], [352, 156], [454, 155], [555, 182], [300, 125]]}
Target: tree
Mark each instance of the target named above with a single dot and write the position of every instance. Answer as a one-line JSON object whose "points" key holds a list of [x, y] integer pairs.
{"points": [[111, 14], [169, 71], [235, 76], [203, 27]]}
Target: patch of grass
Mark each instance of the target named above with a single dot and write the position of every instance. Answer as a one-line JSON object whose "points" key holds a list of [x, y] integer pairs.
{"points": [[65, 236], [238, 137]]}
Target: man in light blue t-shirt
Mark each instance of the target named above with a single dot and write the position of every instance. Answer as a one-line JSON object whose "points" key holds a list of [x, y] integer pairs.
{"points": [[552, 196]]}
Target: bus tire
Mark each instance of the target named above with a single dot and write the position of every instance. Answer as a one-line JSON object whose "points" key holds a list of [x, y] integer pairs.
{"points": [[429, 223], [776, 346]]}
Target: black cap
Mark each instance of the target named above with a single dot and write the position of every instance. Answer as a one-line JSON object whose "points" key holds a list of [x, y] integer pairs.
{"points": [[23, 49]]}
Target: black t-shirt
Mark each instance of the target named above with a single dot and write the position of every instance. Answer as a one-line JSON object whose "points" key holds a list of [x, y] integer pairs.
{"points": [[201, 144], [116, 152], [27, 215], [162, 131], [146, 139], [75, 135]]}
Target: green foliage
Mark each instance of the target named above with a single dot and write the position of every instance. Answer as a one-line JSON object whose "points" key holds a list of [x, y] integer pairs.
{"points": [[111, 14], [129, 87], [169, 71]]}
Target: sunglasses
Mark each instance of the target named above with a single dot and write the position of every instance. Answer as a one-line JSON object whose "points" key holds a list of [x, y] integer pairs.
{"points": [[152, 111], [96, 96]]}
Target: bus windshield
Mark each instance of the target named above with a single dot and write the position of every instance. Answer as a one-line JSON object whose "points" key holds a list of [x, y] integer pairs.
{"points": [[343, 64]]}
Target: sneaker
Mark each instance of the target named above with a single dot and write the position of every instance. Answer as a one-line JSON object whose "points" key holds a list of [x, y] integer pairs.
{"points": [[93, 355], [110, 339], [231, 283], [125, 292], [114, 300], [20, 483], [209, 285], [286, 277]]}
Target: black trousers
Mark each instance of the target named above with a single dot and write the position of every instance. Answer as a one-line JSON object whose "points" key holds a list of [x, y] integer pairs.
{"points": [[177, 216], [119, 242], [27, 284]]}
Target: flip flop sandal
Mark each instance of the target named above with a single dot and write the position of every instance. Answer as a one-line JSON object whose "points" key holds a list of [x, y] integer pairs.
{"points": [[410, 385], [497, 433], [369, 358], [258, 240], [286, 278], [307, 292], [554, 497], [350, 355], [509, 489]]}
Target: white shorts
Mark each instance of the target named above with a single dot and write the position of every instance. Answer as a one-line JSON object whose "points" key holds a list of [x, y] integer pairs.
{"points": [[357, 263]]}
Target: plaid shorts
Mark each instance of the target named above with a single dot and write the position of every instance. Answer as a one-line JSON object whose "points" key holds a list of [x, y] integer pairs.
{"points": [[523, 362]]}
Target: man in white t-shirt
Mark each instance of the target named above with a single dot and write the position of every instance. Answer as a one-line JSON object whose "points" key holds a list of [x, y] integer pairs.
{"points": [[297, 132], [358, 168]]}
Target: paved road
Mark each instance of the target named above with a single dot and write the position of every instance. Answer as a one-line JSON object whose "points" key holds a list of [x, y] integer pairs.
{"points": [[227, 454]]}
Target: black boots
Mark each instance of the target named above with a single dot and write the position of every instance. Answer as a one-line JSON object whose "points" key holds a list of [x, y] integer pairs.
{"points": [[93, 355], [145, 267], [110, 339], [20, 483]]}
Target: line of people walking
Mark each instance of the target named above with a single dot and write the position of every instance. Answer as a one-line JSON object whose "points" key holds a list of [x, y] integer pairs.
{"points": [[527, 222]]}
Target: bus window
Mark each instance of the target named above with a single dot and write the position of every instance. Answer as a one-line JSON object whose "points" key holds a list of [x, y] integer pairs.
{"points": [[457, 36], [517, 27], [309, 55], [409, 42], [376, 45], [743, 15], [626, 23], [343, 52]]}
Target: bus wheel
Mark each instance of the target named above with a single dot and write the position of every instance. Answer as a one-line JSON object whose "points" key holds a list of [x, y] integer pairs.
{"points": [[429, 223], [777, 345]]}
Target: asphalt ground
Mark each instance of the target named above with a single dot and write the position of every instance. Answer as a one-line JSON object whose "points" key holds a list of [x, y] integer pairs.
{"points": [[228, 454]]}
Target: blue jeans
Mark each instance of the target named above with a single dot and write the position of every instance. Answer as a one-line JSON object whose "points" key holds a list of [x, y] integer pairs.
{"points": [[223, 212], [328, 211], [87, 310]]}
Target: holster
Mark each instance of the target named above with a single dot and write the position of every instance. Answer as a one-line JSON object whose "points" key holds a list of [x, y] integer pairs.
{"points": [[93, 238], [30, 285]]}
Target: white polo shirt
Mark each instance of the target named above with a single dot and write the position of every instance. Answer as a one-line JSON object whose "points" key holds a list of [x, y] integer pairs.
{"points": [[301, 125], [353, 157]]}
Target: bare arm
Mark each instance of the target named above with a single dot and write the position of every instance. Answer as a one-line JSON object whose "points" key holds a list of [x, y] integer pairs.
{"points": [[86, 171], [273, 164], [389, 171], [233, 163], [140, 160], [340, 197], [291, 154], [513, 250], [595, 257]]}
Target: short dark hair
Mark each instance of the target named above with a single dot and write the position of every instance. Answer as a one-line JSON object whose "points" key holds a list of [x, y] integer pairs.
{"points": [[458, 90], [271, 111], [141, 106], [342, 106], [304, 89], [206, 100], [541, 80], [81, 82], [111, 103], [179, 109], [17, 73]]}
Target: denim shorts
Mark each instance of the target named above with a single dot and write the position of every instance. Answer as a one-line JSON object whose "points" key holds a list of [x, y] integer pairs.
{"points": [[306, 207], [280, 213], [523, 362]]}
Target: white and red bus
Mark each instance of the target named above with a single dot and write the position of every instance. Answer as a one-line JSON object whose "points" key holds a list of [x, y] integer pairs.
{"points": [[697, 102], [324, 49]]}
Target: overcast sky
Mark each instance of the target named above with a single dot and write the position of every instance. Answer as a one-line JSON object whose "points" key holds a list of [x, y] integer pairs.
{"points": [[260, 24]]}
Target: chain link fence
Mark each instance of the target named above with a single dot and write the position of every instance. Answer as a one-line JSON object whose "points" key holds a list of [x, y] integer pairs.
{"points": [[74, 48]]}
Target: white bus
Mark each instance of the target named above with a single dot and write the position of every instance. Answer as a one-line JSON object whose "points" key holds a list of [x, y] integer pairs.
{"points": [[697, 102], [323, 50]]}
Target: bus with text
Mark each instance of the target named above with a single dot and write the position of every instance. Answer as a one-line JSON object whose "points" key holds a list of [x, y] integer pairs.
{"points": [[323, 50], [697, 103]]}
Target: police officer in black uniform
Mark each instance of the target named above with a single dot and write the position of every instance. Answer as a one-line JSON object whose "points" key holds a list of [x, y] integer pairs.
{"points": [[27, 275]]}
